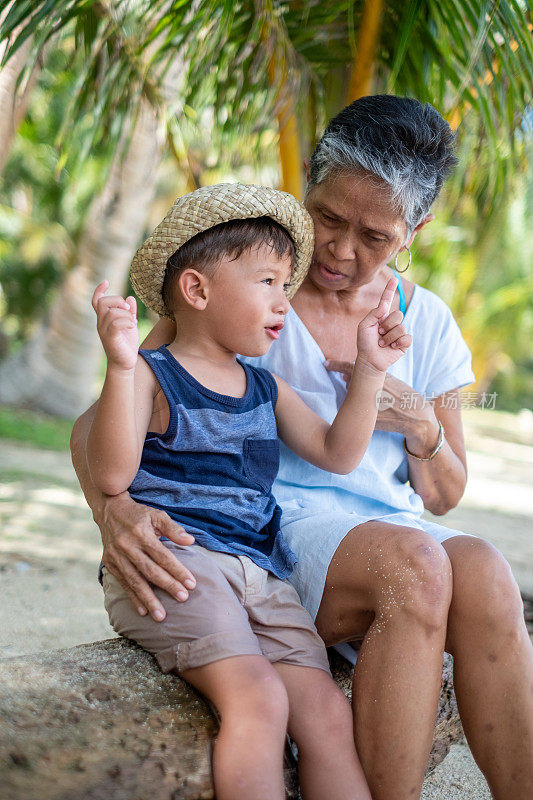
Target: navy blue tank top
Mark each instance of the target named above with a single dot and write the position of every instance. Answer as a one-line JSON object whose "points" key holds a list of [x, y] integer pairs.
{"points": [[213, 468]]}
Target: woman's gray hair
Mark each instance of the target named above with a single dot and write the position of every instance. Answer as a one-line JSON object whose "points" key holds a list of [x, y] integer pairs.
{"points": [[405, 144]]}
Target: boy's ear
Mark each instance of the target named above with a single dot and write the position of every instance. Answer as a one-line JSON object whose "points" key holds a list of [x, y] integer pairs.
{"points": [[307, 170], [194, 288]]}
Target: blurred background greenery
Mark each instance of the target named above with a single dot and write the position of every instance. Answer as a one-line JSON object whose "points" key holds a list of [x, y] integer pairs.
{"points": [[112, 109]]}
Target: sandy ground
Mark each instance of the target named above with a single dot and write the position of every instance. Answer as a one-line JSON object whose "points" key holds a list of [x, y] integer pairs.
{"points": [[50, 549]]}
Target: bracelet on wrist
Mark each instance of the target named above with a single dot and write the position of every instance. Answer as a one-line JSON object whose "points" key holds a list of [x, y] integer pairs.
{"points": [[432, 455]]}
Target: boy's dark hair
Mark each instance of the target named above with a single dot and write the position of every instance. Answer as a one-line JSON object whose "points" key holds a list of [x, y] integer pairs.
{"points": [[204, 251]]}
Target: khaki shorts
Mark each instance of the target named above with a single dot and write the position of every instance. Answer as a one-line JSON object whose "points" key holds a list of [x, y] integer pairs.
{"points": [[237, 608]]}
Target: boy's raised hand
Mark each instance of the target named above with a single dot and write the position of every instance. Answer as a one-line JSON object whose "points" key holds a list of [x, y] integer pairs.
{"points": [[381, 338], [116, 322]]}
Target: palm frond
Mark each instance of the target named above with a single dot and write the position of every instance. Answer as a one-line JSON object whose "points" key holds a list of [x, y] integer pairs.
{"points": [[472, 59]]}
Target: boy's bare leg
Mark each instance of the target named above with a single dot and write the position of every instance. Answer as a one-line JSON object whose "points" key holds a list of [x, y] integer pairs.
{"points": [[320, 722], [253, 705]]}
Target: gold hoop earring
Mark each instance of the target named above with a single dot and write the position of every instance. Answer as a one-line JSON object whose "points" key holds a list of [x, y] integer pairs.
{"points": [[408, 263]]}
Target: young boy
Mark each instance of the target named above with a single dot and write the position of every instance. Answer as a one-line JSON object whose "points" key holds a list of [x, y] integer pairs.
{"points": [[192, 430]]}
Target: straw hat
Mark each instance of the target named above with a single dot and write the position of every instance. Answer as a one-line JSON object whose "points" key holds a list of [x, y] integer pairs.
{"points": [[205, 208]]}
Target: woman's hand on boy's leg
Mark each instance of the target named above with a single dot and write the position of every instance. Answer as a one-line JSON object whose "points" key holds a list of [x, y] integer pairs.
{"points": [[116, 322], [135, 556]]}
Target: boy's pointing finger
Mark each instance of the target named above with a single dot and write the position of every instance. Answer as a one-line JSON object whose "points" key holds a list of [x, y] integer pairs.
{"points": [[386, 298]]}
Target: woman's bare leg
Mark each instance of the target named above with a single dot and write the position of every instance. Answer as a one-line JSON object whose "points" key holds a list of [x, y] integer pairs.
{"points": [[320, 722], [253, 705], [394, 584], [493, 666]]}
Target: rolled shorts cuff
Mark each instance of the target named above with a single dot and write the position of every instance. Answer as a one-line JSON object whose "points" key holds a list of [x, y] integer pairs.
{"points": [[316, 658], [199, 652]]}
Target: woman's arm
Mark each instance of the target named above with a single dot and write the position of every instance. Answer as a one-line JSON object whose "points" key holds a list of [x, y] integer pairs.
{"points": [[440, 482], [163, 332]]}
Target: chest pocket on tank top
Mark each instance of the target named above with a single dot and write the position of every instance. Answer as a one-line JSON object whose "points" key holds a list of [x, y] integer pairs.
{"points": [[261, 461]]}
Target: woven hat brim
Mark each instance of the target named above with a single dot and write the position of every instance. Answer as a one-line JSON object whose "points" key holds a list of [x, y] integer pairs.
{"points": [[210, 206]]}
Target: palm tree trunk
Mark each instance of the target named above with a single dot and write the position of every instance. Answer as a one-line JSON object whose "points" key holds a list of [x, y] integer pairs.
{"points": [[361, 78], [56, 371], [289, 152], [289, 140], [11, 104]]}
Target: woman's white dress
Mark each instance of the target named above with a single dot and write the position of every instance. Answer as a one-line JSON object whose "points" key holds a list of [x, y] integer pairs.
{"points": [[320, 508]]}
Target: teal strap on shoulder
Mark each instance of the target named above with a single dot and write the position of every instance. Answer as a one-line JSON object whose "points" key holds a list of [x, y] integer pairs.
{"points": [[400, 292]]}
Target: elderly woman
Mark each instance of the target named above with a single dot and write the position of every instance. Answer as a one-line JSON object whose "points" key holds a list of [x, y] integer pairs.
{"points": [[370, 568]]}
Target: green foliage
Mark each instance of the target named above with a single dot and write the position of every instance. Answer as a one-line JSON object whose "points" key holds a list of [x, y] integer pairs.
{"points": [[514, 387], [479, 261], [38, 429], [471, 58], [43, 202]]}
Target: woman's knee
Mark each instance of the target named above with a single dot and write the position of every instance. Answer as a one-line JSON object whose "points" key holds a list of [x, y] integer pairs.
{"points": [[485, 592], [414, 578], [382, 570]]}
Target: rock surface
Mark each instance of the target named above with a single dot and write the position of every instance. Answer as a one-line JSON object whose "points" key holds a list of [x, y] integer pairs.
{"points": [[101, 722]]}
